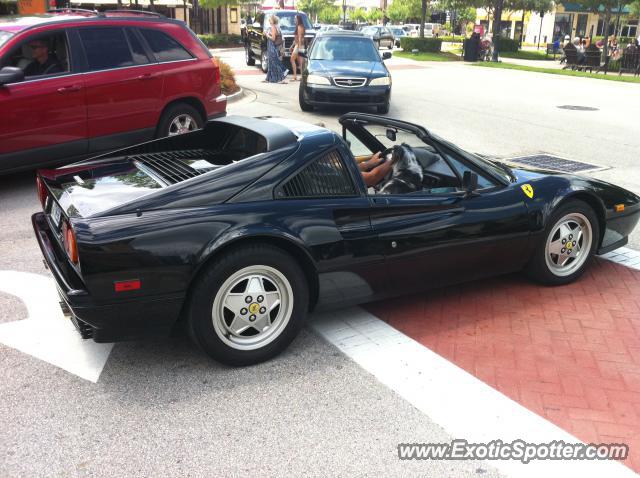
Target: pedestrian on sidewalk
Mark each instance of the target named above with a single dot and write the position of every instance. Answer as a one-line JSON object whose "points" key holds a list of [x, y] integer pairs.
{"points": [[298, 44], [275, 70]]}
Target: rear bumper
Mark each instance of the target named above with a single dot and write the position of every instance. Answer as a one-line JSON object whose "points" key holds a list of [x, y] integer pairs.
{"points": [[321, 95], [128, 319]]}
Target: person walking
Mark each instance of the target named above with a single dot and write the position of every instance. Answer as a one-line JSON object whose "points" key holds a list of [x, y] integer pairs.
{"points": [[298, 44], [275, 70]]}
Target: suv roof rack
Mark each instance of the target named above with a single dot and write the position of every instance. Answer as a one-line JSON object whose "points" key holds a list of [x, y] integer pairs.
{"points": [[124, 13]]}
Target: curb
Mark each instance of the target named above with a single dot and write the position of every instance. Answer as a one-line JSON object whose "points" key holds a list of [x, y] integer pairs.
{"points": [[235, 96]]}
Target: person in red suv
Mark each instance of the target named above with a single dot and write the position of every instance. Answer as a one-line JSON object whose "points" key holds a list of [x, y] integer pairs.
{"points": [[118, 78]]}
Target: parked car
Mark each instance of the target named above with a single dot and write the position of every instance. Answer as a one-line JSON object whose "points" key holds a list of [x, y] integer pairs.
{"points": [[380, 35], [328, 28], [256, 44], [398, 32], [344, 68], [243, 228], [73, 84]]}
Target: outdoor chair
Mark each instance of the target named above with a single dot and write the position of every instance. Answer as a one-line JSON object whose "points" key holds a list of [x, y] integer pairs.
{"points": [[592, 59], [571, 55], [630, 61]]}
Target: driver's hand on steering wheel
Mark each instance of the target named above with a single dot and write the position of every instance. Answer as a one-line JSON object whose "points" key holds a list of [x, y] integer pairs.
{"points": [[375, 169]]}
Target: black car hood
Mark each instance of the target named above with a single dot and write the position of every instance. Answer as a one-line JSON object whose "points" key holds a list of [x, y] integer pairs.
{"points": [[331, 68]]}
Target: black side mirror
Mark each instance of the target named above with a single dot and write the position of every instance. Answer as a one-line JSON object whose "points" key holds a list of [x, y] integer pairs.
{"points": [[11, 74], [391, 134], [469, 182], [386, 55]]}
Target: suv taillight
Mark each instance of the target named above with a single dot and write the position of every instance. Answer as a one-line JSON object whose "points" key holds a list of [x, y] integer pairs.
{"points": [[216, 71], [42, 190], [69, 240]]}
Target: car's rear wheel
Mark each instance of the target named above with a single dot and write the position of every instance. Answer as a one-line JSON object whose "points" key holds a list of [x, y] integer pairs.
{"points": [[264, 61], [248, 305], [248, 56], [569, 241], [178, 119], [304, 106]]}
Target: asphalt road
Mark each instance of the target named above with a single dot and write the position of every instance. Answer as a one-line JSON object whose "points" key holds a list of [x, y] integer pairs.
{"points": [[162, 408]]}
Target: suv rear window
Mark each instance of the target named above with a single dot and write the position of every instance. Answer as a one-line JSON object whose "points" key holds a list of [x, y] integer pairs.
{"points": [[164, 47], [106, 48]]}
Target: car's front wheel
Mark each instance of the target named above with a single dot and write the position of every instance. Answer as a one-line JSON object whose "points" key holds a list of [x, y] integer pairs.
{"points": [[304, 106], [248, 56], [178, 119], [248, 305], [569, 241], [383, 109]]}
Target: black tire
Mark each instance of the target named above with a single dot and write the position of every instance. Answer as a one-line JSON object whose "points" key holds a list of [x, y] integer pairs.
{"points": [[263, 61], [304, 106], [173, 112], [383, 109], [248, 56], [208, 286], [538, 267]]}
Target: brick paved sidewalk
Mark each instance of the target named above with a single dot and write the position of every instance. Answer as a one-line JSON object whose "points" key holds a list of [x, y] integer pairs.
{"points": [[570, 354]]}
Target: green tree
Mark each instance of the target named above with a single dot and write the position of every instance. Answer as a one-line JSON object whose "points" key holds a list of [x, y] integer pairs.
{"points": [[358, 15], [313, 7], [374, 15], [331, 14], [404, 10]]}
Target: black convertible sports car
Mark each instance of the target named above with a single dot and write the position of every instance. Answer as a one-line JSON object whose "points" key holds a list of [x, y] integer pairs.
{"points": [[242, 228]]}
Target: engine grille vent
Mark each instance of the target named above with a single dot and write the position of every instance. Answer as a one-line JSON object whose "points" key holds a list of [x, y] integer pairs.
{"points": [[349, 82], [325, 177], [172, 167]]}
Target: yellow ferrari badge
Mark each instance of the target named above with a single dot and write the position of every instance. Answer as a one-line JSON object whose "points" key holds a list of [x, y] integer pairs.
{"points": [[528, 190]]}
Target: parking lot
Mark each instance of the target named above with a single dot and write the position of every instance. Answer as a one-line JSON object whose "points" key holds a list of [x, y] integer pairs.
{"points": [[500, 359]]}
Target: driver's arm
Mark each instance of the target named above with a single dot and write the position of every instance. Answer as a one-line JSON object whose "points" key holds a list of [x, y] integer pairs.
{"points": [[374, 170]]}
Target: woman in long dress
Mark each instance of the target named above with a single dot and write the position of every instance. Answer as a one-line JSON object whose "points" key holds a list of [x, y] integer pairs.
{"points": [[275, 70]]}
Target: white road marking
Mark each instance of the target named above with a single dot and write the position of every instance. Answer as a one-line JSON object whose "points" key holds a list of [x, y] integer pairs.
{"points": [[46, 334], [464, 406]]}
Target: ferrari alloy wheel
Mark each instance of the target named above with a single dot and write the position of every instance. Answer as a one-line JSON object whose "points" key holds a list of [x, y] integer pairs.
{"points": [[248, 304], [569, 244], [569, 240], [252, 307]]}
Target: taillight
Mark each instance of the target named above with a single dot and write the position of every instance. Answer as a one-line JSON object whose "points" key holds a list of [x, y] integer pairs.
{"points": [[69, 240], [216, 70], [42, 190]]}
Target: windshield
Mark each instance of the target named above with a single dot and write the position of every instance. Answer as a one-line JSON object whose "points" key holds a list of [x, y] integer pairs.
{"points": [[287, 21], [4, 36], [344, 49]]}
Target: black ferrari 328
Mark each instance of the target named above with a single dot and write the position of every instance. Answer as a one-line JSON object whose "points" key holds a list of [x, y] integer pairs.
{"points": [[244, 227]]}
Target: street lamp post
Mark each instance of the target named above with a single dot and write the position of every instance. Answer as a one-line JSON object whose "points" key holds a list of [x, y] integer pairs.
{"points": [[344, 12]]}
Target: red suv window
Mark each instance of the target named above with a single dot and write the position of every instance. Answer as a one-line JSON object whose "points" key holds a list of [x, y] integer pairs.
{"points": [[106, 48], [164, 47]]}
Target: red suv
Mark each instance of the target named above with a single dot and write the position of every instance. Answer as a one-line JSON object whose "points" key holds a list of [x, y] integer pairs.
{"points": [[74, 84]]}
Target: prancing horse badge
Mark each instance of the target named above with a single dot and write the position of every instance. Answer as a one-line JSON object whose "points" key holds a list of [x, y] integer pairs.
{"points": [[528, 190]]}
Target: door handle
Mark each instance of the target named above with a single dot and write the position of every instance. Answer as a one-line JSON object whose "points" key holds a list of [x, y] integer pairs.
{"points": [[146, 76], [69, 89]]}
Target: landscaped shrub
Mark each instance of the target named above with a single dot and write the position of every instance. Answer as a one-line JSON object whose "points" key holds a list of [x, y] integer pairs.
{"points": [[220, 40], [432, 45], [507, 44], [227, 78]]}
